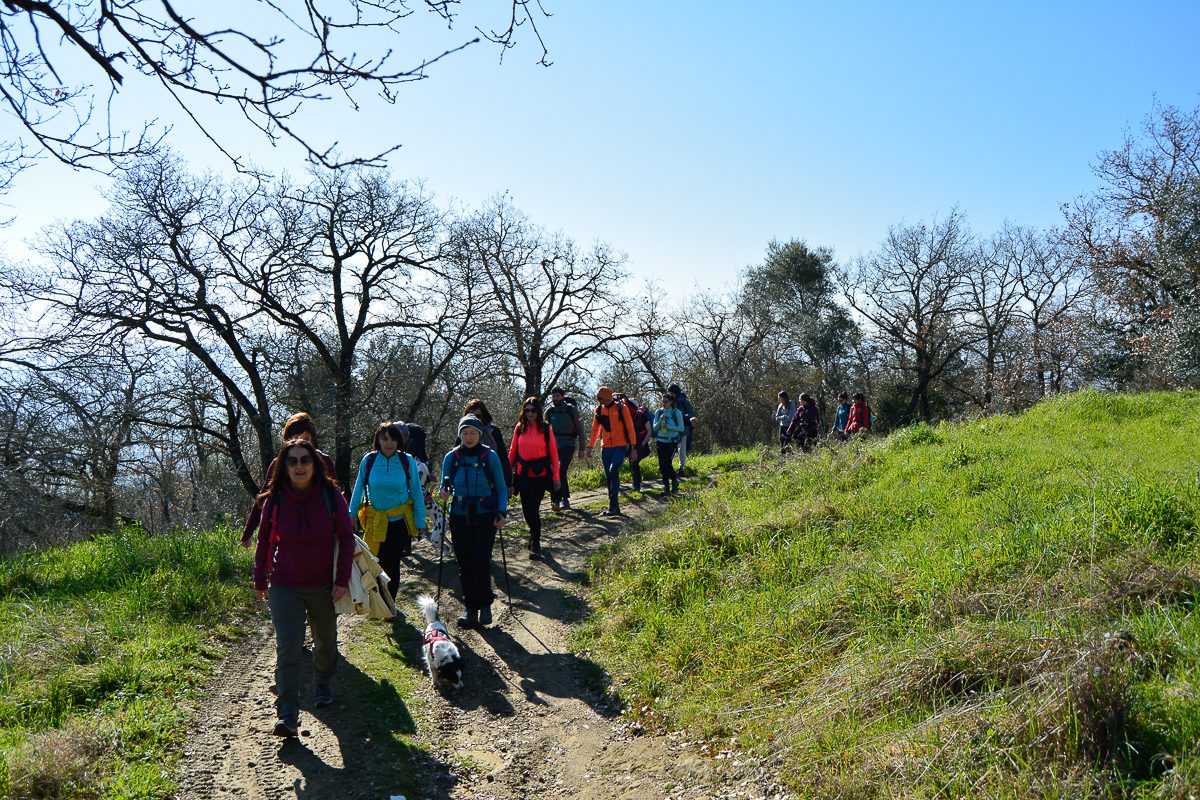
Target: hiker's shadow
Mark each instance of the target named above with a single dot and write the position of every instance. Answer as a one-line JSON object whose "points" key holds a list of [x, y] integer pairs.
{"points": [[555, 674], [371, 733]]}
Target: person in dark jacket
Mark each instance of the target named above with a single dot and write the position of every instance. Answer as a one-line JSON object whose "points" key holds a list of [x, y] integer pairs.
{"points": [[806, 425], [534, 459], [689, 422], [491, 437], [641, 417], [298, 426], [473, 482], [301, 568], [563, 418]]}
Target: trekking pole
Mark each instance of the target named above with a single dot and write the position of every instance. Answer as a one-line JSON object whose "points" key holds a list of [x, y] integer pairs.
{"points": [[507, 581]]}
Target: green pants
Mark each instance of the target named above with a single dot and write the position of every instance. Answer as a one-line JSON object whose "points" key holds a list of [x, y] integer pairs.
{"points": [[290, 609]]}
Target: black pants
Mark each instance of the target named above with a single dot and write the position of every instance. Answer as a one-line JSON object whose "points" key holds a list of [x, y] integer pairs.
{"points": [[565, 454], [666, 465], [531, 492], [397, 544], [473, 544], [635, 471]]}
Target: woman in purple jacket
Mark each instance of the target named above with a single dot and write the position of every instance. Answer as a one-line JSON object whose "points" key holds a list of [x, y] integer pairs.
{"points": [[305, 522]]}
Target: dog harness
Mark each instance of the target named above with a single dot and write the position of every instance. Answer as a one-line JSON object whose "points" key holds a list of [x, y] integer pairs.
{"points": [[435, 633]]}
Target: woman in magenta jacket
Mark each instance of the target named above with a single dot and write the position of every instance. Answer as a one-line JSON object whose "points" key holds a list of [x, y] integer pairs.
{"points": [[534, 458], [305, 521]]}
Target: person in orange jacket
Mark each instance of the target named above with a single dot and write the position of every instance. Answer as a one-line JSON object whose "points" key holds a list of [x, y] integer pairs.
{"points": [[534, 458], [613, 426]]}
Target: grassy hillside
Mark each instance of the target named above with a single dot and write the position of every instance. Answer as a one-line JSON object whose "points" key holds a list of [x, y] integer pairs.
{"points": [[1001, 608], [101, 645]]}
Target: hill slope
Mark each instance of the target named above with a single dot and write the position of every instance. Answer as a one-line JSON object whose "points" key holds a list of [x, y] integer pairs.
{"points": [[1000, 608]]}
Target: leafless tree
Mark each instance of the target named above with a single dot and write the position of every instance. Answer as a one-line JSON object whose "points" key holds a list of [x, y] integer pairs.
{"points": [[553, 306], [992, 299], [62, 63], [913, 291]]}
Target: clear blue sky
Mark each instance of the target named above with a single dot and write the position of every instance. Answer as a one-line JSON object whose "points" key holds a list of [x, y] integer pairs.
{"points": [[689, 133]]}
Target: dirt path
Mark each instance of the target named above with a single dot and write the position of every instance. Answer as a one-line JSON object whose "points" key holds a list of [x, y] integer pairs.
{"points": [[525, 725]]}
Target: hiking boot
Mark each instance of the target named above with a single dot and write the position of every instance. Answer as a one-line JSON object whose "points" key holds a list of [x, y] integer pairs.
{"points": [[613, 511], [566, 504], [485, 615], [323, 696], [287, 728], [535, 555], [469, 619]]}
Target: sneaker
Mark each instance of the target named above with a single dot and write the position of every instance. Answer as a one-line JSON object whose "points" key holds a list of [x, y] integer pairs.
{"points": [[555, 507], [485, 615], [566, 505], [287, 728], [323, 696], [469, 619], [535, 555]]}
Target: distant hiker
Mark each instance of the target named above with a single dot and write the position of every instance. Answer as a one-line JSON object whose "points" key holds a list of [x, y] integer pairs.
{"points": [[563, 419], [473, 480], [414, 437], [668, 427], [842, 418], [806, 425], [536, 468], [641, 417], [298, 426], [491, 437], [783, 416], [689, 421], [305, 521], [388, 500], [858, 421], [613, 426]]}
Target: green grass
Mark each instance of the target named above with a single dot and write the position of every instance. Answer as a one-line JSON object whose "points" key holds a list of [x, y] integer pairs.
{"points": [[999, 608], [101, 646], [590, 474]]}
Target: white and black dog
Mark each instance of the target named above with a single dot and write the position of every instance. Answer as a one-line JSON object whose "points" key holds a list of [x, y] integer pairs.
{"points": [[442, 659]]}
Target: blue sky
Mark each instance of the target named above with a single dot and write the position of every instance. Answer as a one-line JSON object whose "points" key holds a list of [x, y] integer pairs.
{"points": [[688, 134]]}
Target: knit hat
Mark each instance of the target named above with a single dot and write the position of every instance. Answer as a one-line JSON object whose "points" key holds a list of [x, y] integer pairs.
{"points": [[604, 394], [470, 421]]}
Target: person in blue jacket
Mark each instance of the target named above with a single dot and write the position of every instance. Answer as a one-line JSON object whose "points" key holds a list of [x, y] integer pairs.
{"points": [[388, 479], [842, 417], [473, 480], [667, 429]]}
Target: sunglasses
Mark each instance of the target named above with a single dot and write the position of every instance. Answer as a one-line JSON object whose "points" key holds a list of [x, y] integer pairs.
{"points": [[529, 409], [293, 461]]}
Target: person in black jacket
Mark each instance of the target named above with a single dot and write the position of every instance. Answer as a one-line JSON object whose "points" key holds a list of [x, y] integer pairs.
{"points": [[491, 437]]}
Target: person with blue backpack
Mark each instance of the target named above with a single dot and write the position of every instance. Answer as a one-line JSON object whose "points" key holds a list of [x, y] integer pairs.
{"points": [[473, 482], [689, 422]]}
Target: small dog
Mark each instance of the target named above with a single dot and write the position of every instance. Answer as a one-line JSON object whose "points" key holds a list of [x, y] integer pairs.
{"points": [[442, 659]]}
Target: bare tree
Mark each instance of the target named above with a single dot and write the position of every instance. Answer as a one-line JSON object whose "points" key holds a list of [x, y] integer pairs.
{"points": [[552, 305], [62, 63], [913, 291], [1053, 283], [992, 299]]}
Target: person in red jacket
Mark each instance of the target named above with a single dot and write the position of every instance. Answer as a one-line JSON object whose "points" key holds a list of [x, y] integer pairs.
{"points": [[534, 458], [305, 521], [859, 420], [612, 424]]}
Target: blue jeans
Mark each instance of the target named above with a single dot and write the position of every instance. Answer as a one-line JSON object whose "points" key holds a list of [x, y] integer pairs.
{"points": [[612, 458], [290, 609]]}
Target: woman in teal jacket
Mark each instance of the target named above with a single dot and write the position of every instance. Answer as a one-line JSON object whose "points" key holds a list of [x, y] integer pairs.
{"points": [[473, 480], [388, 480], [668, 428]]}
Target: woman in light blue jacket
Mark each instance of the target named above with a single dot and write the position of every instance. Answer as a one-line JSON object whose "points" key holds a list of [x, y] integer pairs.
{"points": [[389, 481], [783, 415], [667, 429]]}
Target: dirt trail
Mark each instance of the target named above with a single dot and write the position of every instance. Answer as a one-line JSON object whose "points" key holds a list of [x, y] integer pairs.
{"points": [[525, 725]]}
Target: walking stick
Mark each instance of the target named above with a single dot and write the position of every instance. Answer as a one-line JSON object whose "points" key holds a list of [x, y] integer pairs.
{"points": [[507, 581], [442, 550]]}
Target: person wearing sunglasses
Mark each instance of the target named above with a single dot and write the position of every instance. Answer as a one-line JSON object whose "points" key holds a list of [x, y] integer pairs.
{"points": [[305, 522], [534, 457], [298, 426]]}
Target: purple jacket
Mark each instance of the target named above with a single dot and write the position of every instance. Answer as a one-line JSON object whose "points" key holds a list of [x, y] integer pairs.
{"points": [[295, 540], [256, 510]]}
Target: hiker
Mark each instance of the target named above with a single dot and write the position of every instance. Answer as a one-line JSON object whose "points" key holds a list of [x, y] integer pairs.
{"points": [[842, 417], [389, 485], [305, 522], [689, 420], [806, 425], [536, 468], [668, 427], [613, 426], [563, 418], [641, 417], [414, 436], [783, 415], [473, 476], [298, 426], [858, 421], [491, 437]]}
